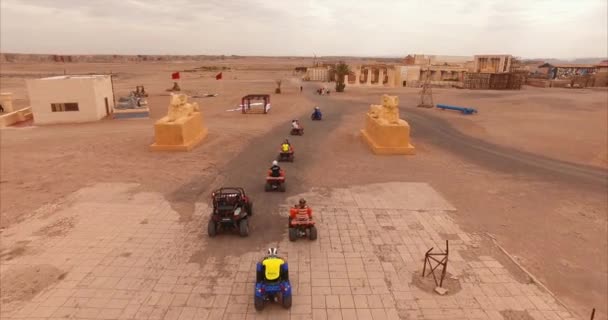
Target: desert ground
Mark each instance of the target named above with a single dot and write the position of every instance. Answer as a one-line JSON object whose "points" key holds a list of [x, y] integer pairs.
{"points": [[96, 226]]}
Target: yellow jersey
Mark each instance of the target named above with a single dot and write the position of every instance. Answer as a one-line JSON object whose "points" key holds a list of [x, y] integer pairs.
{"points": [[285, 147], [273, 268]]}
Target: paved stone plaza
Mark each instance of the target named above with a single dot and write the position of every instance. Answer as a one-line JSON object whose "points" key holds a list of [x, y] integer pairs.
{"points": [[111, 252]]}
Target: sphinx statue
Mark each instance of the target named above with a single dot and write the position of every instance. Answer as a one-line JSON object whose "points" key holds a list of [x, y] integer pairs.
{"points": [[179, 107], [384, 131], [181, 129], [388, 112]]}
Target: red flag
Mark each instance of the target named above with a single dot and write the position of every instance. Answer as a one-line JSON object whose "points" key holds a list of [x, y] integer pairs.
{"points": [[218, 76], [175, 76]]}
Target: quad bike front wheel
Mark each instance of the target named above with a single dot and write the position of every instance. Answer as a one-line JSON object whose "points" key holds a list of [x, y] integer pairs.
{"points": [[282, 187], [211, 228], [243, 228], [267, 187], [312, 233]]}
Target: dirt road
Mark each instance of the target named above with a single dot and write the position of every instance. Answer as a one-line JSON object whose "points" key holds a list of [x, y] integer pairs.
{"points": [[248, 170], [440, 133], [539, 233]]}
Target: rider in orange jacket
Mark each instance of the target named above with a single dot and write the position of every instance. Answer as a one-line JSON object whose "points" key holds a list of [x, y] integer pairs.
{"points": [[301, 207]]}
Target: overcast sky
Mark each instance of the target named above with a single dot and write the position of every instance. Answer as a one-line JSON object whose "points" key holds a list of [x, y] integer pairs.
{"points": [[526, 28]]}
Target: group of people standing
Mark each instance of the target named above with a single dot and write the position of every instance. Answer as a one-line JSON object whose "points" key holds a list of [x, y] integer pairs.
{"points": [[322, 91]]}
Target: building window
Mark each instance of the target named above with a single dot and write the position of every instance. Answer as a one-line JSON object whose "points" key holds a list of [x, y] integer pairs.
{"points": [[61, 107]]}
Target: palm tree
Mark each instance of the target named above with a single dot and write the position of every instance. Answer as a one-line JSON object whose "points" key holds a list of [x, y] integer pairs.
{"points": [[341, 70], [278, 89]]}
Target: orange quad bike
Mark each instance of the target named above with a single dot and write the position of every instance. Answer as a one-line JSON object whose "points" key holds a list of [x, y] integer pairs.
{"points": [[301, 224], [275, 182]]}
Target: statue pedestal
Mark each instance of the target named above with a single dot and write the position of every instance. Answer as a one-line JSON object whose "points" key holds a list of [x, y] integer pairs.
{"points": [[180, 135], [385, 138]]}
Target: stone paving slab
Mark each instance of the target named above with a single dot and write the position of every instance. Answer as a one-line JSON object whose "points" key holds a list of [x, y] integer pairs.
{"points": [[125, 255]]}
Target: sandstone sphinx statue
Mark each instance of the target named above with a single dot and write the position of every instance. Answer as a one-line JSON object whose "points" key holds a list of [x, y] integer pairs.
{"points": [[384, 131], [182, 129], [179, 107], [388, 112]]}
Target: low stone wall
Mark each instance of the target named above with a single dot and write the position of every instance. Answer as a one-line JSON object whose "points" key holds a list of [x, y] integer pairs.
{"points": [[131, 113], [601, 79], [560, 83], [11, 118], [541, 83], [435, 84]]}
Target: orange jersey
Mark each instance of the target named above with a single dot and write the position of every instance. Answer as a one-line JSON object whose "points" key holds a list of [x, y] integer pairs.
{"points": [[293, 212]]}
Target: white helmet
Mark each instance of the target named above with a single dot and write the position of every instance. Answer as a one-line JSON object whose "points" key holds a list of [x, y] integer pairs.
{"points": [[272, 251], [316, 108], [275, 163]]}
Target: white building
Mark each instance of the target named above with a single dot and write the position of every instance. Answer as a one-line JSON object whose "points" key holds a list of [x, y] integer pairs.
{"points": [[317, 74], [67, 99]]}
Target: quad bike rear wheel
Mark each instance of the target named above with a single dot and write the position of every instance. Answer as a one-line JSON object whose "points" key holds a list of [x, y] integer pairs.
{"points": [[258, 303], [293, 234], [267, 187], [243, 228], [286, 302], [211, 228], [312, 233], [282, 187]]}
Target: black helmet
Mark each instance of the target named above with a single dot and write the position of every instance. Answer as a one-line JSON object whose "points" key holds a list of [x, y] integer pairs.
{"points": [[302, 201]]}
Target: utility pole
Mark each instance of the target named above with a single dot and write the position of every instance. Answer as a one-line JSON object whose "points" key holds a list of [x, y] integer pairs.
{"points": [[426, 94]]}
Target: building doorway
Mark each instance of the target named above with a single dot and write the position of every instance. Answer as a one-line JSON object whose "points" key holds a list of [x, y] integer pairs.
{"points": [[107, 106]]}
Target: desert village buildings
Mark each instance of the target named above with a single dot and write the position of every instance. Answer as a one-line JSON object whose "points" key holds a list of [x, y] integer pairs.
{"points": [[68, 99], [414, 70], [83, 98], [492, 63], [318, 73], [500, 72]]}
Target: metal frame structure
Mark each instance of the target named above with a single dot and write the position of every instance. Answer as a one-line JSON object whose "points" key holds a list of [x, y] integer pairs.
{"points": [[428, 256], [246, 102]]}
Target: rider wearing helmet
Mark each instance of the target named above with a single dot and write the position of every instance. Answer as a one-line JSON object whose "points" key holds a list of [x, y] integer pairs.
{"points": [[275, 170], [300, 208], [286, 146], [295, 124], [273, 267], [317, 113]]}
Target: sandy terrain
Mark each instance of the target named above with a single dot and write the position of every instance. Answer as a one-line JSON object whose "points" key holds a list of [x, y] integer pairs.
{"points": [[556, 227], [569, 125]]}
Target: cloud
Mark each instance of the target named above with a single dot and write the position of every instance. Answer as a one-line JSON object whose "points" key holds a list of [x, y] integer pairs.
{"points": [[301, 27]]}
